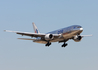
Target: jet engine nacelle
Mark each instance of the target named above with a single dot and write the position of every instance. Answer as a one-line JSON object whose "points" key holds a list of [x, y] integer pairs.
{"points": [[77, 38], [49, 37]]}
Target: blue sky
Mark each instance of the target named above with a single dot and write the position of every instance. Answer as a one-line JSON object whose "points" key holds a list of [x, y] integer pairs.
{"points": [[48, 15]]}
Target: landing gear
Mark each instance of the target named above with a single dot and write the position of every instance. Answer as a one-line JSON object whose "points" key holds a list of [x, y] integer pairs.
{"points": [[48, 44], [64, 45]]}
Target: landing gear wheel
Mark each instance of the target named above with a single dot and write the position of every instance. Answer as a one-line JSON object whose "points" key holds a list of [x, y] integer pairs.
{"points": [[48, 44], [64, 45]]}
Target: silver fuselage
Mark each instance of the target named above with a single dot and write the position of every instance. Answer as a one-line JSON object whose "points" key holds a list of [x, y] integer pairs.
{"points": [[66, 33]]}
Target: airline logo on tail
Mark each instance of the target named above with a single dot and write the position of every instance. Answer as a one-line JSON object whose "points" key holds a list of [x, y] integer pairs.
{"points": [[36, 31], [35, 28]]}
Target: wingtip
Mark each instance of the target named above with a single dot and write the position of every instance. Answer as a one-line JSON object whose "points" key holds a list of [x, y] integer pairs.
{"points": [[90, 35], [4, 30], [8, 31]]}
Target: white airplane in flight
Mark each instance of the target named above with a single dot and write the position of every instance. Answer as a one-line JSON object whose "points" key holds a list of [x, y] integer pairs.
{"points": [[60, 35]]}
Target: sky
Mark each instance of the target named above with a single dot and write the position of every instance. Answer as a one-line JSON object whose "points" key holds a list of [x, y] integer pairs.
{"points": [[48, 15]]}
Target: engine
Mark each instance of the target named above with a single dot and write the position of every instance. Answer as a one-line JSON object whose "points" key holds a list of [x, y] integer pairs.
{"points": [[77, 38], [49, 37]]}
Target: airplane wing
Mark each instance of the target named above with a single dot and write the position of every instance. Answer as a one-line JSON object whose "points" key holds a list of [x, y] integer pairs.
{"points": [[26, 39], [86, 35], [31, 34]]}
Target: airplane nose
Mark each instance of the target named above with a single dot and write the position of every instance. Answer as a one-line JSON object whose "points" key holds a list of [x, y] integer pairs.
{"points": [[81, 28]]}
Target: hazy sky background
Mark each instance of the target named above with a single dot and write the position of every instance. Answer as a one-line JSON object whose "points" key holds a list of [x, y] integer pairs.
{"points": [[48, 15]]}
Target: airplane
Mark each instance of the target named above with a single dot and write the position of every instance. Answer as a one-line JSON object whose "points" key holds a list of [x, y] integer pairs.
{"points": [[61, 35]]}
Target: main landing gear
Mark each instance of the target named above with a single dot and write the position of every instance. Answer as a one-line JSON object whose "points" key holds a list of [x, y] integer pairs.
{"points": [[64, 45], [48, 44]]}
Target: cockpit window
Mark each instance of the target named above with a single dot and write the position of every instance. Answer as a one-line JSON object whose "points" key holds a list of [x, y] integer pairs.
{"points": [[79, 27]]}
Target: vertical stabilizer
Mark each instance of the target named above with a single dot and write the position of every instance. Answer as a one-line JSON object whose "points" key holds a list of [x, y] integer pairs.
{"points": [[35, 28]]}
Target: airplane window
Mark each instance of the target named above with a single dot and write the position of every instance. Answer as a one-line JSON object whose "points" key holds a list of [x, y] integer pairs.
{"points": [[79, 27]]}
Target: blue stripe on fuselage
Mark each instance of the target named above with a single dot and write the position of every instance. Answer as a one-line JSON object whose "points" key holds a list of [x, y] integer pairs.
{"points": [[65, 30]]}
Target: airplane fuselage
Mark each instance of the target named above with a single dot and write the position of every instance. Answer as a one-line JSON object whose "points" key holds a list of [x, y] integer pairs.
{"points": [[66, 33]]}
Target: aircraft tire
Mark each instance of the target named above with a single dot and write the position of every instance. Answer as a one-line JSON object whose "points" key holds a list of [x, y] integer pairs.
{"points": [[64, 45]]}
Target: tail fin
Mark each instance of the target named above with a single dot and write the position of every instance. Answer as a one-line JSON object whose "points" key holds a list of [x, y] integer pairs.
{"points": [[35, 28]]}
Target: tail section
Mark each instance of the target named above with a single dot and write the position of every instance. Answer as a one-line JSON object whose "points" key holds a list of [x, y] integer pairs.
{"points": [[35, 28]]}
